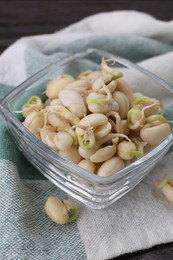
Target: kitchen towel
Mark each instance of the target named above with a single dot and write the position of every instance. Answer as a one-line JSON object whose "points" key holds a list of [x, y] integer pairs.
{"points": [[137, 221]]}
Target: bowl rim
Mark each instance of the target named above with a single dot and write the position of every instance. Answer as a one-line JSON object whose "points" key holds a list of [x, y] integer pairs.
{"points": [[58, 159], [75, 56]]}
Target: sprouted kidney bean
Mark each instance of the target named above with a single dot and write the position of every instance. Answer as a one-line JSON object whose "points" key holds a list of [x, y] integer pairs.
{"points": [[95, 120], [166, 186], [61, 212]]}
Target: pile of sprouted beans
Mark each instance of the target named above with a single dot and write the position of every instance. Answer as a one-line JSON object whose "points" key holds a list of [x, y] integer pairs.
{"points": [[96, 120]]}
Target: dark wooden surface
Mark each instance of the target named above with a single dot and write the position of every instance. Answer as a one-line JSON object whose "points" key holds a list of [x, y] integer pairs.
{"points": [[30, 17], [20, 18]]}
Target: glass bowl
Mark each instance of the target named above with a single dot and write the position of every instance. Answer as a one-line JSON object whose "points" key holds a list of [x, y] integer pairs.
{"points": [[93, 191]]}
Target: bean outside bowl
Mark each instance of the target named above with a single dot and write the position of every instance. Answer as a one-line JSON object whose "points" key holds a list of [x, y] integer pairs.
{"points": [[93, 191]]}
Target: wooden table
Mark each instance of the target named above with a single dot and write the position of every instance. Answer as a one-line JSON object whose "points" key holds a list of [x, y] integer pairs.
{"points": [[20, 18]]}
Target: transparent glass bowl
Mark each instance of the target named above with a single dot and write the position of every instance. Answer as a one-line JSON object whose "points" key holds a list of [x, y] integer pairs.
{"points": [[94, 191]]}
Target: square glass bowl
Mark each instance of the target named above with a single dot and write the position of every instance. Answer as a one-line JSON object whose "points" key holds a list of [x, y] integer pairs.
{"points": [[93, 191]]}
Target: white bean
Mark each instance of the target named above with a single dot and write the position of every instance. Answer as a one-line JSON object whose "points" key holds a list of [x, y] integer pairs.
{"points": [[124, 87], [99, 103], [70, 96], [56, 210], [111, 166], [111, 86], [127, 150], [63, 141], [79, 85], [103, 154], [71, 154], [86, 153], [61, 212], [34, 121], [56, 85], [102, 131], [78, 109], [87, 165], [123, 103], [167, 190], [56, 120], [91, 121], [155, 134], [49, 140], [46, 130]]}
